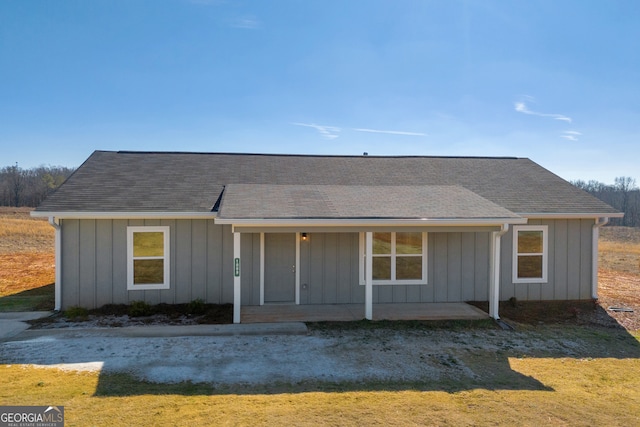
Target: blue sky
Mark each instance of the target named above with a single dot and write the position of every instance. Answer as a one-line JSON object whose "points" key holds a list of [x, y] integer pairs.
{"points": [[556, 81]]}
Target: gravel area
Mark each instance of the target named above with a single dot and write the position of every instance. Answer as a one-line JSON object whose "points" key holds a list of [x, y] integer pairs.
{"points": [[322, 355]]}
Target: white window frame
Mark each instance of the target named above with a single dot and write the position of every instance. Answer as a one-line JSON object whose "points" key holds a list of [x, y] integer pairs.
{"points": [[545, 254], [362, 255], [130, 258]]}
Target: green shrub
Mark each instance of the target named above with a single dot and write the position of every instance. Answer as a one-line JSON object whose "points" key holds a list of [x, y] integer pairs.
{"points": [[139, 309], [76, 313], [196, 307]]}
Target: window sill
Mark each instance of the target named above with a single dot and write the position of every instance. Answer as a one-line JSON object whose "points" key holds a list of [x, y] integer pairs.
{"points": [[539, 280], [397, 282], [147, 287]]}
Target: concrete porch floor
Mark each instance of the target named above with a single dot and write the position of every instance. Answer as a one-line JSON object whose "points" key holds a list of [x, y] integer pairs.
{"points": [[348, 312]]}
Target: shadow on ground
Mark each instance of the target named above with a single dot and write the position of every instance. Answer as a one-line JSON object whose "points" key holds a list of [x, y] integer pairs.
{"points": [[37, 299], [464, 368], [449, 356]]}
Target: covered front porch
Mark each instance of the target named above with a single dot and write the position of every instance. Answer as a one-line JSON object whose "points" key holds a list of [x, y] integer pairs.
{"points": [[385, 246], [351, 312]]}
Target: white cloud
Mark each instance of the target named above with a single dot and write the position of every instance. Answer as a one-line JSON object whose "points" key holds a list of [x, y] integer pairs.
{"points": [[392, 132], [521, 107], [327, 132], [571, 135], [246, 22]]}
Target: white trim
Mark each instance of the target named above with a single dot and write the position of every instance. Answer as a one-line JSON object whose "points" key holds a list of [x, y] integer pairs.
{"points": [[55, 223], [310, 222], [368, 290], [297, 268], [425, 262], [494, 272], [545, 254], [125, 215], [570, 215], [261, 268], [165, 230], [237, 300], [337, 222]]}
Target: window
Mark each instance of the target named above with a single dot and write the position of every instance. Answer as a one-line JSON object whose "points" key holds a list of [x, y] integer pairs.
{"points": [[398, 258], [147, 258], [530, 254]]}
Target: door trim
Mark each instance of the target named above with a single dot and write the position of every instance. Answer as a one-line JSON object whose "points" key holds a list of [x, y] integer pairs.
{"points": [[297, 278]]}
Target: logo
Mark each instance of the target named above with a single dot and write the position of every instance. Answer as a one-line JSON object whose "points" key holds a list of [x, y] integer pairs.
{"points": [[31, 416]]}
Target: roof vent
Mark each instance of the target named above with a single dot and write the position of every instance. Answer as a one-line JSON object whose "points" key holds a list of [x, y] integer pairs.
{"points": [[365, 154]]}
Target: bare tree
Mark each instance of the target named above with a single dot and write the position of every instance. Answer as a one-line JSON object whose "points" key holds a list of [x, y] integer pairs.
{"points": [[29, 187], [622, 195]]}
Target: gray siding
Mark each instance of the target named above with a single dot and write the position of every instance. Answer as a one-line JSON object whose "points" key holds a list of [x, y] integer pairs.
{"points": [[569, 274], [458, 270], [94, 263], [94, 266]]}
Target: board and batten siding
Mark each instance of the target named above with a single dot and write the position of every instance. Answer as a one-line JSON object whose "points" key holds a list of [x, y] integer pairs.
{"points": [[94, 266], [458, 270], [569, 263], [94, 263]]}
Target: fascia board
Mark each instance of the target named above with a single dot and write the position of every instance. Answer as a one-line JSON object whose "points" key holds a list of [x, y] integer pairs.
{"points": [[369, 222], [570, 215], [124, 215]]}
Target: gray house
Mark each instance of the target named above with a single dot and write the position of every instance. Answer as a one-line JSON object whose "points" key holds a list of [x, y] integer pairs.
{"points": [[256, 229]]}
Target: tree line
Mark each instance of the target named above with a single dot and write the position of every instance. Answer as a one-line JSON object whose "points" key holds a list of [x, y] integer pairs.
{"points": [[29, 187], [623, 195]]}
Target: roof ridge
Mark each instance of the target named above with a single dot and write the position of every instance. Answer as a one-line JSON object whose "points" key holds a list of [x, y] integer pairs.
{"points": [[416, 156]]}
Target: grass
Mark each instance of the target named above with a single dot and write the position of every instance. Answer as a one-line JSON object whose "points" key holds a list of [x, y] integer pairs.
{"points": [[565, 391], [27, 261]]}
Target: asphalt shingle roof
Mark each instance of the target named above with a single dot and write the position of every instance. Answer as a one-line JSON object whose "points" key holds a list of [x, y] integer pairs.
{"points": [[249, 201], [192, 182]]}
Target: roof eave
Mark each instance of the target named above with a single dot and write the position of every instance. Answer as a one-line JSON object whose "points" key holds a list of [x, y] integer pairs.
{"points": [[359, 222], [546, 215], [122, 215]]}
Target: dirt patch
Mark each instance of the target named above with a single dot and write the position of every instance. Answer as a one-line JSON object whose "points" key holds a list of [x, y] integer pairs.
{"points": [[139, 314], [578, 313], [468, 356]]}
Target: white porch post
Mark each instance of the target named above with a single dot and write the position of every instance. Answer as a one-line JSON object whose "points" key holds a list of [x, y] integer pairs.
{"points": [[58, 263], [236, 277], [261, 268], [368, 269], [494, 280]]}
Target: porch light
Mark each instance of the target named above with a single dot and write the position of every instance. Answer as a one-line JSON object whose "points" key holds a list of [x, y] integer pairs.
{"points": [[304, 237]]}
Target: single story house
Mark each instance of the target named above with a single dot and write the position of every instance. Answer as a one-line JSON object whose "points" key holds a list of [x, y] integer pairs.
{"points": [[254, 229]]}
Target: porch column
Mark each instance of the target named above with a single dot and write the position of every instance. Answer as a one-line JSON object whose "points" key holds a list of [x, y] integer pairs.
{"points": [[58, 262], [494, 279], [368, 275], [236, 277]]}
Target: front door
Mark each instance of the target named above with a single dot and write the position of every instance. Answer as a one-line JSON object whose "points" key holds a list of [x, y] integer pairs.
{"points": [[279, 267]]}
